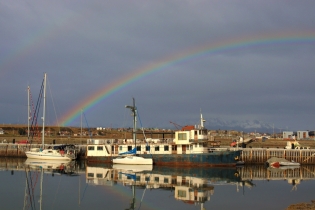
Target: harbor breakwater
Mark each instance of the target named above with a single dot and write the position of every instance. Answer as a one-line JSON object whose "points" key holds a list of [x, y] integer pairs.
{"points": [[248, 155]]}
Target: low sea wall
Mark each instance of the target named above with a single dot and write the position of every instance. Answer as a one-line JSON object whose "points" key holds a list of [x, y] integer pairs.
{"points": [[261, 155], [18, 150]]}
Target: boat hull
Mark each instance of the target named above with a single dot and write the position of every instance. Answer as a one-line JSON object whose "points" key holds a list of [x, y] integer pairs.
{"points": [[133, 160], [46, 156], [218, 158]]}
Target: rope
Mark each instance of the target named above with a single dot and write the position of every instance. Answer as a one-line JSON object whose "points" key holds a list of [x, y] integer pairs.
{"points": [[52, 99], [87, 125], [143, 132]]}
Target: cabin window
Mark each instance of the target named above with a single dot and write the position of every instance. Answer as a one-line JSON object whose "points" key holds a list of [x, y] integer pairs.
{"points": [[147, 178], [165, 147], [174, 147], [138, 148], [157, 148], [156, 179], [99, 148], [166, 180], [182, 193], [90, 174], [182, 136], [99, 176], [120, 148], [137, 178], [129, 148], [91, 148], [147, 148]]}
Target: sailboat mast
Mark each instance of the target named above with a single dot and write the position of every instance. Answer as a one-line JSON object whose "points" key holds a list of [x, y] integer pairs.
{"points": [[134, 110], [44, 111], [28, 113]]}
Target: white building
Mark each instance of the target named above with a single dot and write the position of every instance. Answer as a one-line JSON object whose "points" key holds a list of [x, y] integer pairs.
{"points": [[288, 135], [302, 135]]}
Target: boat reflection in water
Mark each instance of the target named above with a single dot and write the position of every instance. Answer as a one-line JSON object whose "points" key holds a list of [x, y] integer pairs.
{"points": [[190, 185], [57, 167], [35, 167]]}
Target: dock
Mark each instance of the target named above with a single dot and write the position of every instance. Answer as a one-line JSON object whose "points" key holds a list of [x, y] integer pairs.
{"points": [[261, 155], [248, 155]]}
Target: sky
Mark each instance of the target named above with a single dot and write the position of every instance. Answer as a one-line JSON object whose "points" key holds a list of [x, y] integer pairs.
{"points": [[234, 61]]}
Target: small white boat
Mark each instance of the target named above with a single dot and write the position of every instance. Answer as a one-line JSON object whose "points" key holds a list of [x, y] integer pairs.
{"points": [[133, 160], [130, 157], [62, 152], [277, 162]]}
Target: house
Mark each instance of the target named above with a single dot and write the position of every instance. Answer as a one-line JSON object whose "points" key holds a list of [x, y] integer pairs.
{"points": [[288, 135], [302, 135]]}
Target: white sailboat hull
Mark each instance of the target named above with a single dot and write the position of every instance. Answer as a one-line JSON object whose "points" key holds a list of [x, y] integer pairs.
{"points": [[48, 155], [133, 160]]}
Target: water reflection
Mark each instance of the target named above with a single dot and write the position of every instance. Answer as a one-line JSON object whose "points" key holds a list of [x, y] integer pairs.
{"points": [[189, 185], [199, 186]]}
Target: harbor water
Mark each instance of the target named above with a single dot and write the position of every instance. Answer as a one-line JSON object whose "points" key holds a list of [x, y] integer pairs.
{"points": [[79, 185]]}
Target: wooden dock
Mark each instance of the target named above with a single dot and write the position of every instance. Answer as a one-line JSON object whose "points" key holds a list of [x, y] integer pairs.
{"points": [[261, 155]]}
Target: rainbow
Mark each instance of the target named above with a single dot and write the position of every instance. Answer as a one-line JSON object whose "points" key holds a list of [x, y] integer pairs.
{"points": [[287, 38]]}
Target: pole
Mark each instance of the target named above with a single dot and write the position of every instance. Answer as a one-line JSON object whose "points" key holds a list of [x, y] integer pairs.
{"points": [[28, 113], [44, 111]]}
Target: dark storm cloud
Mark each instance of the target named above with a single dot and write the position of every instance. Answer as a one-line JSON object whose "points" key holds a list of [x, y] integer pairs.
{"points": [[84, 46]]}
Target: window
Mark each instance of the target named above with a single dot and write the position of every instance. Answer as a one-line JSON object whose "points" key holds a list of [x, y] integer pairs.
{"points": [[182, 136], [137, 178], [174, 147], [99, 148], [129, 148], [99, 176], [181, 193], [156, 179], [157, 148], [166, 180], [120, 148], [147, 178], [147, 148], [165, 147], [90, 174], [90, 148], [191, 147], [138, 148]]}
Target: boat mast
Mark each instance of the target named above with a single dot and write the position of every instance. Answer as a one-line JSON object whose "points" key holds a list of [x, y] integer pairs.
{"points": [[134, 110], [44, 111], [28, 113]]}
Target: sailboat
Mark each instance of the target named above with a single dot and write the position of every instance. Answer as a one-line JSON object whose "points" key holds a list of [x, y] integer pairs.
{"points": [[58, 152], [131, 157]]}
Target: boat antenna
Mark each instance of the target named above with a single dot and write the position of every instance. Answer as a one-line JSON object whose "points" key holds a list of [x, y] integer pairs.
{"points": [[201, 120]]}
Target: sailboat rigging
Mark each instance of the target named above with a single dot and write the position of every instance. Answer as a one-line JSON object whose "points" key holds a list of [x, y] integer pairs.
{"points": [[58, 152], [130, 157]]}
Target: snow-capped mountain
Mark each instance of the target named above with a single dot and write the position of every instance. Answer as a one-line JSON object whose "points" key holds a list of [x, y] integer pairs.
{"points": [[247, 126]]}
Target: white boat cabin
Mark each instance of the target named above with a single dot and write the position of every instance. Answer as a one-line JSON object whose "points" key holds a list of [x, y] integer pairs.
{"points": [[189, 140]]}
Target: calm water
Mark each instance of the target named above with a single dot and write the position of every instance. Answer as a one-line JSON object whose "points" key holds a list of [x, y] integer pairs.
{"points": [[78, 185]]}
